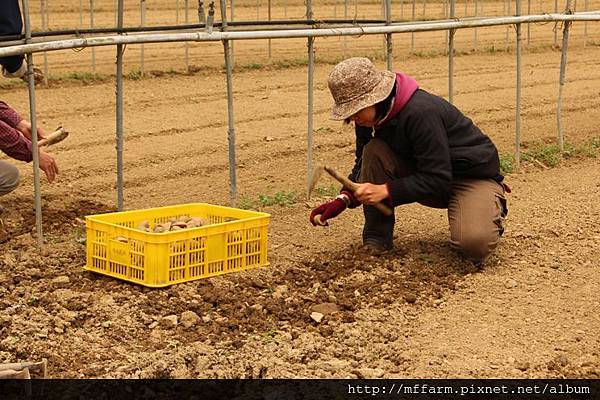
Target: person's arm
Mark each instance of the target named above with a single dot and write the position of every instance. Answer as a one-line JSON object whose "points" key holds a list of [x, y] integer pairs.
{"points": [[431, 152], [13, 143], [9, 116], [25, 128]]}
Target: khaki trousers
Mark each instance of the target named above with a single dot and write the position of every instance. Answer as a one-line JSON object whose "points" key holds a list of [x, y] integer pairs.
{"points": [[9, 177], [476, 208]]}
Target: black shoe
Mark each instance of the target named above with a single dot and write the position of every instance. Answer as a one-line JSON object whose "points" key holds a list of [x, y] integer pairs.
{"points": [[378, 231]]}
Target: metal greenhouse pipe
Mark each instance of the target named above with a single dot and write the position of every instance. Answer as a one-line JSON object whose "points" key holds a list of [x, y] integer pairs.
{"points": [[345, 38], [288, 33], [309, 130], [119, 112], [585, 25], [506, 11], [34, 135], [44, 27], [412, 36], [92, 27], [187, 50], [563, 67], [231, 19], [230, 119], [388, 36], [475, 30], [13, 40], [269, 19], [555, 26], [142, 24], [451, 33], [528, 25], [518, 100]]}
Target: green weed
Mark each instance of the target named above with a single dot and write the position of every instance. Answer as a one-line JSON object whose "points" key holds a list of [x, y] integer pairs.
{"points": [[329, 191], [507, 163], [246, 203], [547, 154], [279, 198], [550, 155], [134, 75], [33, 300], [85, 77]]}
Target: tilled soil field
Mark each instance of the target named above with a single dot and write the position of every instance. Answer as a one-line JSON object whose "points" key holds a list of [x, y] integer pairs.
{"points": [[419, 311]]}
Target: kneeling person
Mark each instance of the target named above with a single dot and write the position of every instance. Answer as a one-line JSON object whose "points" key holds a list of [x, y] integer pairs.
{"points": [[413, 146]]}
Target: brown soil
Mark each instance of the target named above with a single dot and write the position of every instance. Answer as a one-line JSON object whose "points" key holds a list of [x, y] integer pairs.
{"points": [[419, 311]]}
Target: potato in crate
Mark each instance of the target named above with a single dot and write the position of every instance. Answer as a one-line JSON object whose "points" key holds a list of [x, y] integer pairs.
{"points": [[162, 246]]}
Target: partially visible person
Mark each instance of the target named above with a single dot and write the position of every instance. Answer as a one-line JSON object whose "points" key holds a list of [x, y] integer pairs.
{"points": [[11, 24], [15, 141]]}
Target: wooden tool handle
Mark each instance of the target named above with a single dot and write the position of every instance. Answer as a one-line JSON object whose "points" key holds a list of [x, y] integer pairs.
{"points": [[55, 137], [353, 186]]}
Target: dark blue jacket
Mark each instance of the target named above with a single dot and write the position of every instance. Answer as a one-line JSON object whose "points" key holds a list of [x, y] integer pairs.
{"points": [[10, 25], [438, 142]]}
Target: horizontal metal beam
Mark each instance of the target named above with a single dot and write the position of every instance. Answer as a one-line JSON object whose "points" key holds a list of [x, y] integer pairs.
{"points": [[290, 33]]}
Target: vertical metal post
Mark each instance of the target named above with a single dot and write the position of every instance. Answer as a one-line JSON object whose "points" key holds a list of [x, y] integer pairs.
{"points": [[401, 10], [383, 45], [230, 120], [119, 107], [555, 24], [446, 15], [311, 67], [528, 25], [176, 12], [475, 30], [202, 13], [451, 33], [585, 25], [232, 16], [466, 8], [142, 23], [80, 14], [563, 68], [187, 49], [506, 12], [44, 28], [34, 136], [116, 12], [424, 9], [518, 106], [269, 18], [388, 21], [93, 47], [412, 34], [345, 47]]}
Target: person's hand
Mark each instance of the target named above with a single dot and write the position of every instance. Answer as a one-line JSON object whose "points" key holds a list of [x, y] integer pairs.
{"points": [[38, 76], [48, 165], [331, 209], [368, 193], [25, 128]]}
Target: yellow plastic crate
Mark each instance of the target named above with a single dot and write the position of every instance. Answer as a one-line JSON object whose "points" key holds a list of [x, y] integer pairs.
{"points": [[234, 240]]}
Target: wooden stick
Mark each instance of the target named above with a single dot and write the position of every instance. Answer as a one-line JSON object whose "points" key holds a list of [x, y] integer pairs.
{"points": [[57, 136], [353, 186], [21, 365], [14, 374]]}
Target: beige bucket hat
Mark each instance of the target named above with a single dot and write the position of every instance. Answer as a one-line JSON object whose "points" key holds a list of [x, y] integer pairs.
{"points": [[355, 84]]}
